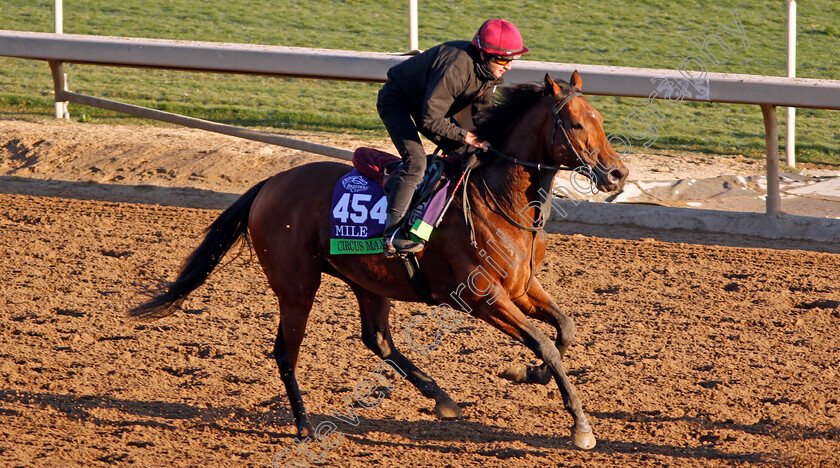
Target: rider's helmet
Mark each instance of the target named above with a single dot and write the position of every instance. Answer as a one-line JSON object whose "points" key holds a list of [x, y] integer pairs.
{"points": [[499, 37]]}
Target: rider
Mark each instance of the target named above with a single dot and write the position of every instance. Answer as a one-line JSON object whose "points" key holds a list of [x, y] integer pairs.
{"points": [[424, 93]]}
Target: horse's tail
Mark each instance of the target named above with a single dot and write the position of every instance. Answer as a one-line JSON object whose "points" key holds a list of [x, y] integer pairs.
{"points": [[220, 236]]}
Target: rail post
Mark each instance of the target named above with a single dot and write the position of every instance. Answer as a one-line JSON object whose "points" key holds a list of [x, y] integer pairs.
{"points": [[413, 42], [771, 138], [56, 67], [790, 127]]}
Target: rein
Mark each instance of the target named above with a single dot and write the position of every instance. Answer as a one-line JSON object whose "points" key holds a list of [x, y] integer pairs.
{"points": [[538, 226], [507, 217], [558, 105]]}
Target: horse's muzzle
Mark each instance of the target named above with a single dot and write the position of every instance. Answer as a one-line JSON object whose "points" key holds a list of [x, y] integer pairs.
{"points": [[612, 180]]}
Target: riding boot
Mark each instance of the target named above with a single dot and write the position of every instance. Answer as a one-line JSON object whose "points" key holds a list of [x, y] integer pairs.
{"points": [[396, 238]]}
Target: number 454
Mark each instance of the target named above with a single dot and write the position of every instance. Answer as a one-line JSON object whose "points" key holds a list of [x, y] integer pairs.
{"points": [[355, 207]]}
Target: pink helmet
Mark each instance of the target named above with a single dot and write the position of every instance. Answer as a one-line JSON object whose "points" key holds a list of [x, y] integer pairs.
{"points": [[499, 37]]}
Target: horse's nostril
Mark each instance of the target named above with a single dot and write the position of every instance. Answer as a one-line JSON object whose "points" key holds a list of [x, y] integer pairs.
{"points": [[617, 176]]}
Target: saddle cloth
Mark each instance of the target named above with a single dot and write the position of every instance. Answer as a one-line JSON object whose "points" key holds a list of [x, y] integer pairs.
{"points": [[358, 213], [359, 205]]}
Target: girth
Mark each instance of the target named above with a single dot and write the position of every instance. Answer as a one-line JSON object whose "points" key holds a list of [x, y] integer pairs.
{"points": [[418, 278]]}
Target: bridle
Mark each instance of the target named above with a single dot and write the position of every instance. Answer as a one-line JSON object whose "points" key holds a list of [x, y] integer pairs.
{"points": [[558, 105], [545, 184]]}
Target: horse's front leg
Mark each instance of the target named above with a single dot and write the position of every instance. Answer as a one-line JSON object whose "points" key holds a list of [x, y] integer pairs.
{"points": [[508, 318], [539, 305]]}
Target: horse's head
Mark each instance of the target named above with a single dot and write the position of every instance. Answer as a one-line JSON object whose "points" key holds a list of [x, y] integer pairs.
{"points": [[577, 139]]}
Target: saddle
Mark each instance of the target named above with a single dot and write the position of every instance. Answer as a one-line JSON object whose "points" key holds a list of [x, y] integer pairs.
{"points": [[384, 168]]}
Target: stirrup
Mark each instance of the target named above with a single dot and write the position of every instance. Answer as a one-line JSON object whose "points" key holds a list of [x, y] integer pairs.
{"points": [[399, 243]]}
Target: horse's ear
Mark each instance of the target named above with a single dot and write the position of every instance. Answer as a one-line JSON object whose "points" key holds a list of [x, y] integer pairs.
{"points": [[576, 81], [551, 87]]}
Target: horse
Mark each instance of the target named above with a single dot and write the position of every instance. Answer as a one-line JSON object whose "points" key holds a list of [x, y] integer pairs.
{"points": [[537, 130]]}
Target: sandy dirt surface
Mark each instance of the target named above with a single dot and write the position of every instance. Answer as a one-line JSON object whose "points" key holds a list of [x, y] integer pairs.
{"points": [[690, 351]]}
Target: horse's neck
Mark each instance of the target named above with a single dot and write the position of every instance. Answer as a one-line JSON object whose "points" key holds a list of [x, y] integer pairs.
{"points": [[517, 185], [515, 188], [510, 184]]}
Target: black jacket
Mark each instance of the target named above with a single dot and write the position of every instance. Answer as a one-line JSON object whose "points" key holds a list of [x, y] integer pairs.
{"points": [[436, 85]]}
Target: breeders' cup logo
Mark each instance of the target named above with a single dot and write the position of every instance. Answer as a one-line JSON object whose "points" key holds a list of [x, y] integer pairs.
{"points": [[355, 184]]}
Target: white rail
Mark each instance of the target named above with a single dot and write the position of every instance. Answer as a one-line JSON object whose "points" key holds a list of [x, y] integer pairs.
{"points": [[693, 85], [372, 67]]}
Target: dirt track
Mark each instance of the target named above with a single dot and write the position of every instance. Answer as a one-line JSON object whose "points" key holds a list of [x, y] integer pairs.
{"points": [[686, 354]]}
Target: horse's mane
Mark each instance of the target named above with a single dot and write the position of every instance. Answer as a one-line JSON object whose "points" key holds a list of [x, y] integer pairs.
{"points": [[511, 103]]}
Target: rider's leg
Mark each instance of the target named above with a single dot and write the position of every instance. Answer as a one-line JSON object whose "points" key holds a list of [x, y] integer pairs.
{"points": [[404, 135]]}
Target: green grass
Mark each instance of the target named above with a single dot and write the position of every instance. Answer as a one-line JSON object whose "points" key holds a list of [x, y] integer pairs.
{"points": [[647, 33]]}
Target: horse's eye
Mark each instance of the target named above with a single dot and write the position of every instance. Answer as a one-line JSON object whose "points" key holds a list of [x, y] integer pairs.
{"points": [[577, 126]]}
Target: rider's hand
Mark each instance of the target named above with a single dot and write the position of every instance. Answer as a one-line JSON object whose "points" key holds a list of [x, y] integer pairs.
{"points": [[473, 140]]}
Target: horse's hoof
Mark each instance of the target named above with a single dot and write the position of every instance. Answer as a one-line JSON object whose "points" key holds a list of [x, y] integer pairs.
{"points": [[384, 392], [521, 373], [448, 409], [584, 440], [305, 431], [515, 373]]}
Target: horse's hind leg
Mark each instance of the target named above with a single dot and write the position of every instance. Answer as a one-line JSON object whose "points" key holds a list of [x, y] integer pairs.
{"points": [[295, 304], [295, 285], [290, 332], [376, 335]]}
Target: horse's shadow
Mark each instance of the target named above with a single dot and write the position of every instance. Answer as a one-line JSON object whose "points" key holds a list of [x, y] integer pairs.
{"points": [[79, 408], [421, 434], [764, 428]]}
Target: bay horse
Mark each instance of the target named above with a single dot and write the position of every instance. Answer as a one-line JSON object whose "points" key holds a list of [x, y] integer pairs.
{"points": [[536, 131]]}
